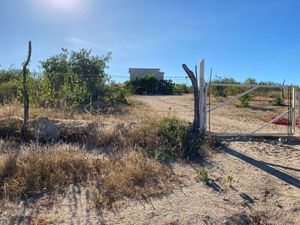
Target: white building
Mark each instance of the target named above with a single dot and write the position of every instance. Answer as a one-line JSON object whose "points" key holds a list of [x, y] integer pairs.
{"points": [[142, 72]]}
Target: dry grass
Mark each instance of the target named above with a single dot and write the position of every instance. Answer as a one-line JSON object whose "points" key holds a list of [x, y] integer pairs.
{"points": [[39, 169], [132, 175], [42, 169], [125, 113]]}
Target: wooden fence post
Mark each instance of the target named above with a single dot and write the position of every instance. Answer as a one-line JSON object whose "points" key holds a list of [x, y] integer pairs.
{"points": [[196, 122], [25, 93], [293, 111], [203, 97]]}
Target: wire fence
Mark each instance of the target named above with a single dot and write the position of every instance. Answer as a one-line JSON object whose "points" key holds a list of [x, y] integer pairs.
{"points": [[251, 109], [170, 96]]}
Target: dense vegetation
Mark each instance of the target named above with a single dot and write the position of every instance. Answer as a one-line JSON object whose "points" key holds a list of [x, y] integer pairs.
{"points": [[70, 79], [151, 86], [8, 85], [220, 91], [73, 79]]}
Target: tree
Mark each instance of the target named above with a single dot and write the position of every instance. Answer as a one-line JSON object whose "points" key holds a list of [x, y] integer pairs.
{"points": [[9, 85], [76, 77], [250, 80], [55, 69]]}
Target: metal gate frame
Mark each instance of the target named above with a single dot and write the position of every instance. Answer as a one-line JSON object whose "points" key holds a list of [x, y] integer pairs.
{"points": [[291, 110]]}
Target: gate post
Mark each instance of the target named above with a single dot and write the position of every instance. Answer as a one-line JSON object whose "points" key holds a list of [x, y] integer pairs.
{"points": [[298, 95], [293, 111], [202, 99]]}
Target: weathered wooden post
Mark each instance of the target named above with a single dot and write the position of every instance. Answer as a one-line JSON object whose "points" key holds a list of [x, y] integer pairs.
{"points": [[298, 94], [196, 122], [200, 94], [293, 111], [25, 92], [203, 97]]}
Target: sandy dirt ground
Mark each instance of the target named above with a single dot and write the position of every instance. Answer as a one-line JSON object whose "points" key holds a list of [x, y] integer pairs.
{"points": [[265, 187], [266, 184]]}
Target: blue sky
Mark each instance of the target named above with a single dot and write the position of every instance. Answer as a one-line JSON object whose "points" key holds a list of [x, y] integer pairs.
{"points": [[237, 38]]}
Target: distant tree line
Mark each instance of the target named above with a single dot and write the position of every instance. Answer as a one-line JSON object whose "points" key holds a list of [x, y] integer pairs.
{"points": [[220, 91]]}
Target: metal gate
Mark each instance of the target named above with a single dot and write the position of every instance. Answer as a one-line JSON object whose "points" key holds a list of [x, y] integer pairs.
{"points": [[286, 113]]}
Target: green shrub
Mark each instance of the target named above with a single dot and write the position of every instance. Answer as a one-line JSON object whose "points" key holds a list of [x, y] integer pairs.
{"points": [[163, 154], [245, 100], [8, 91], [278, 101], [182, 89], [151, 86], [121, 94], [75, 78], [172, 131], [229, 179], [166, 138], [9, 85], [219, 91], [203, 175]]}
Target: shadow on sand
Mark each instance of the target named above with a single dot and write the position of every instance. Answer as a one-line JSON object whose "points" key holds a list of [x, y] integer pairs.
{"points": [[265, 167]]}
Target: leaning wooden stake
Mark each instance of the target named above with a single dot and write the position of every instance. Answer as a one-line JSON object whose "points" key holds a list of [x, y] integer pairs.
{"points": [[25, 92], [196, 123]]}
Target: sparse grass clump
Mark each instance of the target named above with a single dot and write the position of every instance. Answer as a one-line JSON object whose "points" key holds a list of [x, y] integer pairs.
{"points": [[203, 175]]}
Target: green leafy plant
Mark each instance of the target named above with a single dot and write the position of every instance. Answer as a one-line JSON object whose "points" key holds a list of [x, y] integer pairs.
{"points": [[245, 100], [203, 175], [229, 180], [278, 101], [163, 154], [151, 86]]}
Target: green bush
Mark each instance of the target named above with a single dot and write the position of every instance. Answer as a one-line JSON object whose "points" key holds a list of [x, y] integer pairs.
{"points": [[8, 91], [203, 175], [245, 100], [166, 138], [163, 154], [219, 91], [9, 85], [151, 86], [182, 89], [75, 78], [278, 101]]}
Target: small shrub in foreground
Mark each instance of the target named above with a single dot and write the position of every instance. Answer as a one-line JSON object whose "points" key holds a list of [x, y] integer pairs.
{"points": [[229, 180], [203, 175], [244, 101], [168, 136], [278, 101]]}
